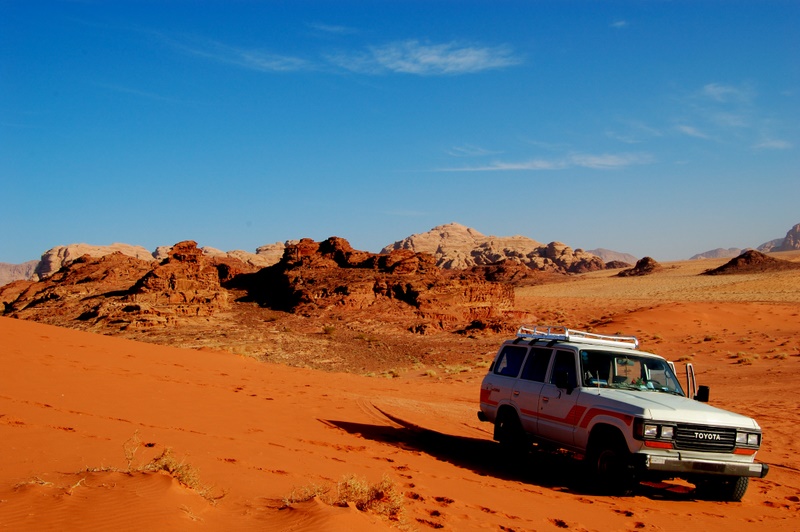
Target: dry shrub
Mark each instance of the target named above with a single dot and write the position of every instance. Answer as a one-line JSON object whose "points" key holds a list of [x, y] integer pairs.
{"points": [[382, 498], [184, 473], [180, 470]]}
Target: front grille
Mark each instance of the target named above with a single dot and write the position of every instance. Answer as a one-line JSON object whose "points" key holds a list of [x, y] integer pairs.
{"points": [[704, 438]]}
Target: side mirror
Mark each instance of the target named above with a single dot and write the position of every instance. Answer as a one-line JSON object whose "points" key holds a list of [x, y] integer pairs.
{"points": [[562, 381], [702, 394]]}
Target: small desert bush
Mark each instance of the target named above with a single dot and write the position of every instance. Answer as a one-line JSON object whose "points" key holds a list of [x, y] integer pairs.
{"points": [[180, 470], [431, 373], [382, 498], [686, 358], [328, 329], [458, 368]]}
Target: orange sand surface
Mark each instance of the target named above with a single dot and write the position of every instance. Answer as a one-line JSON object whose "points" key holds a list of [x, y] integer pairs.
{"points": [[82, 414]]}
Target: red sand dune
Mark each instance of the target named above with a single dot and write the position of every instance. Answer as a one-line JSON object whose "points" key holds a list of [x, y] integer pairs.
{"points": [[73, 403]]}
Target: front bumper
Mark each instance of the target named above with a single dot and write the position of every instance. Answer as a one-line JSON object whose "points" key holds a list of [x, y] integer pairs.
{"points": [[693, 466]]}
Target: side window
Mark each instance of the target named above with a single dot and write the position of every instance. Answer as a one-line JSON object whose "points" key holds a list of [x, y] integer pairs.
{"points": [[565, 363], [536, 366], [510, 360]]}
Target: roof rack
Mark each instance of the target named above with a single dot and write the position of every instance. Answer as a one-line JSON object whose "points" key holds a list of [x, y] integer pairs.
{"points": [[558, 332]]}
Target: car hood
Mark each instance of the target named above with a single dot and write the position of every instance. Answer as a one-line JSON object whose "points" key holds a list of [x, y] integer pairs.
{"points": [[661, 406]]}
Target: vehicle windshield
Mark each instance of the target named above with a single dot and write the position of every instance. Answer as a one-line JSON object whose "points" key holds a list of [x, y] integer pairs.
{"points": [[605, 369]]}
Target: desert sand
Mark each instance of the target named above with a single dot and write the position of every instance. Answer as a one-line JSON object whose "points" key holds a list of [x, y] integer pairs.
{"points": [[83, 417]]}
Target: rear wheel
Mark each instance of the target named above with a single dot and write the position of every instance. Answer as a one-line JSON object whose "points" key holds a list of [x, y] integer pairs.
{"points": [[730, 489], [509, 432]]}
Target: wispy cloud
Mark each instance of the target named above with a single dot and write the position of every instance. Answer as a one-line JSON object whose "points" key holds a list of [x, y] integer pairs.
{"points": [[425, 59], [597, 162], [619, 24], [633, 132], [727, 93], [691, 131], [136, 92], [332, 28], [249, 58], [470, 151], [409, 57], [773, 144]]}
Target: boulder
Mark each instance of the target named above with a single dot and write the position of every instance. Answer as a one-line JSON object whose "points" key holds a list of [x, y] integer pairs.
{"points": [[645, 266]]}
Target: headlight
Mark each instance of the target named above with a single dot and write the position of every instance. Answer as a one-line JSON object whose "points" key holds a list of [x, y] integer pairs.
{"points": [[651, 431], [751, 439]]}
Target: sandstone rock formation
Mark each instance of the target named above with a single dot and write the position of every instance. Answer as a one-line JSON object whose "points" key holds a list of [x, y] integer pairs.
{"points": [[752, 261], [458, 247], [75, 291], [645, 266], [190, 286], [186, 284], [121, 291], [16, 272], [319, 276]]}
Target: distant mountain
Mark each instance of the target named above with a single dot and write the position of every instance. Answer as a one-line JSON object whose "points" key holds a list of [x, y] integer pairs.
{"points": [[613, 256], [16, 272], [719, 253], [455, 246], [790, 242]]}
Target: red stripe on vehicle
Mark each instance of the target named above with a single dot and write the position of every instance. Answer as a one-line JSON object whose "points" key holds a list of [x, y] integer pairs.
{"points": [[594, 412]]}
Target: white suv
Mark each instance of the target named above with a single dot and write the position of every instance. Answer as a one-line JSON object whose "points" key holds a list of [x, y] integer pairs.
{"points": [[622, 409]]}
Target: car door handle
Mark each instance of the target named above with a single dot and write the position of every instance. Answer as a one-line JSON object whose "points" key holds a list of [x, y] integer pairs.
{"points": [[516, 392], [545, 399]]}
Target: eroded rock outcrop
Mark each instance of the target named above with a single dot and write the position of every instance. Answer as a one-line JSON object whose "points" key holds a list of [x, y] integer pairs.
{"points": [[121, 291], [644, 266], [319, 276]]}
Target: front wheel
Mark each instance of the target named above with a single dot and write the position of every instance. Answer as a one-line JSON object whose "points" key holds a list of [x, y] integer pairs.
{"points": [[608, 461], [729, 489]]}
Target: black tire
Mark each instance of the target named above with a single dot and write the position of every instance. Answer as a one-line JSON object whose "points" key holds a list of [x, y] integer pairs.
{"points": [[509, 432], [727, 489], [608, 461]]}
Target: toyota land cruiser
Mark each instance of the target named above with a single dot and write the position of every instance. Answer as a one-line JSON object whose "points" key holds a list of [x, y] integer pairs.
{"points": [[623, 410]]}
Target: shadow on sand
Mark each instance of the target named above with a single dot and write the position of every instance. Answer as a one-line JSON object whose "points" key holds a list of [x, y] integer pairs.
{"points": [[555, 470]]}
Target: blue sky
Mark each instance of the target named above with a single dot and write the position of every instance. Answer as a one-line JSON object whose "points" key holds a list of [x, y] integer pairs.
{"points": [[660, 128]]}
